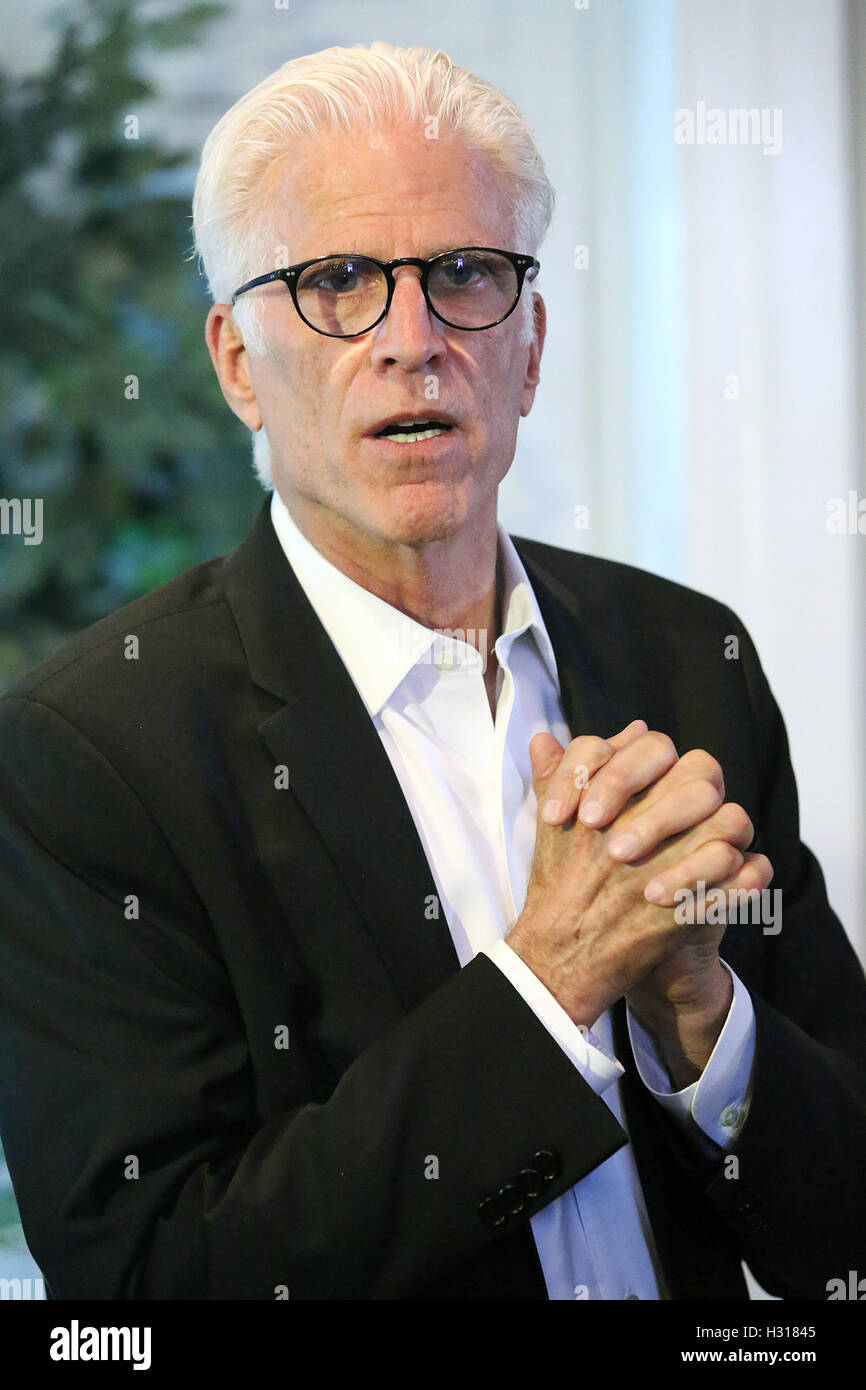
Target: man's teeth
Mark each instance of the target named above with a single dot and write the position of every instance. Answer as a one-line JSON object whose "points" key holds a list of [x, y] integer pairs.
{"points": [[410, 431], [415, 436]]}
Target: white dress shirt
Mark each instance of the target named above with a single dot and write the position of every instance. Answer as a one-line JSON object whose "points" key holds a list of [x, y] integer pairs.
{"points": [[467, 780]]}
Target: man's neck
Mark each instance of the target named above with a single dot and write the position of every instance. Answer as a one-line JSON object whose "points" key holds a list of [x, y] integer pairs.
{"points": [[448, 584]]}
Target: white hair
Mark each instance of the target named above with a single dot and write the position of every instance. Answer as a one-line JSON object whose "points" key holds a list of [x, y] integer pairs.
{"points": [[344, 89]]}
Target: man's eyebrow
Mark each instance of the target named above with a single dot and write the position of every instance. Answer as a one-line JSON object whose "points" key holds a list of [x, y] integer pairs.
{"points": [[455, 246], [438, 251]]}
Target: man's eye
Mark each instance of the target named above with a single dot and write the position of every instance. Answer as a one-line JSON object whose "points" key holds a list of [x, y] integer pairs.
{"points": [[340, 278], [337, 281], [463, 272]]}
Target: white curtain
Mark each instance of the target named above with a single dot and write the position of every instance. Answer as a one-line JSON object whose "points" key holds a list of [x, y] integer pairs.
{"points": [[702, 384]]}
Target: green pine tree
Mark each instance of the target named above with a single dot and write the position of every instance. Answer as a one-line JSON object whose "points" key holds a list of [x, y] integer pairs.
{"points": [[97, 285]]}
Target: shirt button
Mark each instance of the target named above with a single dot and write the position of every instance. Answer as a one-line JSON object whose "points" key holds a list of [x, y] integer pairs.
{"points": [[630, 1297], [730, 1117], [443, 658]]}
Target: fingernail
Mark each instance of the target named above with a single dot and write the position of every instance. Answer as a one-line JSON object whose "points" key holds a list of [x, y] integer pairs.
{"points": [[552, 811], [591, 812], [623, 846], [654, 890]]}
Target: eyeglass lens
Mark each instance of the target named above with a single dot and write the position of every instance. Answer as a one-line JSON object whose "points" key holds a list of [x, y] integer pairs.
{"points": [[345, 295]]}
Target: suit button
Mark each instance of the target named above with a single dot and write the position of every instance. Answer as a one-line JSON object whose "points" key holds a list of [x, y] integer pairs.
{"points": [[547, 1164], [489, 1212], [510, 1201], [530, 1183], [752, 1214]]}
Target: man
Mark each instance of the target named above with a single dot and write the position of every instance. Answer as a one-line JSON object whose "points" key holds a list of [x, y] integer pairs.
{"points": [[341, 954]]}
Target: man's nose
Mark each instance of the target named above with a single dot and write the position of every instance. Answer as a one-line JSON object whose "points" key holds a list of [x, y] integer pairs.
{"points": [[409, 334]]}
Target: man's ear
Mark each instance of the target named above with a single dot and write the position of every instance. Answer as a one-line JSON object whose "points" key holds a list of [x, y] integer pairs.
{"points": [[231, 364], [536, 347]]}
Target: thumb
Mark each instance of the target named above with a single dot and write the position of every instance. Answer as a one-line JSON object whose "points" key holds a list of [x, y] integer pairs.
{"points": [[545, 755]]}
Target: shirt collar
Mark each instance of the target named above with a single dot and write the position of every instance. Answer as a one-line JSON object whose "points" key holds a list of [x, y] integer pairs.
{"points": [[379, 644]]}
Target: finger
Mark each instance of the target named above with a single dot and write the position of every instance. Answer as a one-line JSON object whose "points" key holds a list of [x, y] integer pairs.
{"points": [[634, 730], [582, 759], [729, 823], [760, 867], [755, 874], [630, 770], [696, 765], [682, 808], [712, 864], [697, 762], [545, 755]]}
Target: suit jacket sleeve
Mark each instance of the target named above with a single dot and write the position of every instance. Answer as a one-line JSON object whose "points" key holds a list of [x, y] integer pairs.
{"points": [[128, 1111], [795, 1197]]}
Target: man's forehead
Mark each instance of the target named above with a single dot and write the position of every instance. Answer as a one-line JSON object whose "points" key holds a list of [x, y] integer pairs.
{"points": [[367, 185]]}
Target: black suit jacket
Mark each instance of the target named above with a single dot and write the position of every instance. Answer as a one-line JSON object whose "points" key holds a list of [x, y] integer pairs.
{"points": [[168, 906]]}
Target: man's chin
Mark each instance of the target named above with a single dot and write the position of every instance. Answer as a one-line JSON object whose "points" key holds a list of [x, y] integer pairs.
{"points": [[417, 523]]}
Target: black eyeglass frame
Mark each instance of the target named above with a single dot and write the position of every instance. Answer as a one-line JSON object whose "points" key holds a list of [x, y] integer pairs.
{"points": [[289, 275]]}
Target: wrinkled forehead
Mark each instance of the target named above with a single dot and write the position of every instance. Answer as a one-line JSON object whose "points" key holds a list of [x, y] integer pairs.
{"points": [[402, 190]]}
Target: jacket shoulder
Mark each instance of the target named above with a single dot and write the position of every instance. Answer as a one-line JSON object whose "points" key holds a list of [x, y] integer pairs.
{"points": [[168, 620], [611, 584]]}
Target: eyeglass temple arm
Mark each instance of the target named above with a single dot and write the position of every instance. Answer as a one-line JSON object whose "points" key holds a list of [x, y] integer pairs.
{"points": [[259, 280]]}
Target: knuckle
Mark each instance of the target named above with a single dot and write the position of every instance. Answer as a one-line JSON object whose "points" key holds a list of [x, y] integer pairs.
{"points": [[708, 793], [615, 782], [664, 743], [589, 747], [735, 860], [761, 869], [704, 766], [584, 756], [736, 821]]}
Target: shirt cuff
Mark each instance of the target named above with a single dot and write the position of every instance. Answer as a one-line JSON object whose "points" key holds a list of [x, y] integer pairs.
{"points": [[578, 1042], [718, 1101]]}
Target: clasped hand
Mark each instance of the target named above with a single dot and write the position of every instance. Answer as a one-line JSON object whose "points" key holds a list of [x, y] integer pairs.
{"points": [[623, 824]]}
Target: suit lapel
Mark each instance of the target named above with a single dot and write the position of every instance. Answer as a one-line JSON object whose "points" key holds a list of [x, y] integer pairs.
{"points": [[606, 663], [338, 769]]}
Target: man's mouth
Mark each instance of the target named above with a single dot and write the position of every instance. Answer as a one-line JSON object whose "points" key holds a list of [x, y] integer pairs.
{"points": [[413, 431]]}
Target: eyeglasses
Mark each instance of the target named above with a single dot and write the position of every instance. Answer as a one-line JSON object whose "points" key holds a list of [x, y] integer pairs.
{"points": [[342, 296]]}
